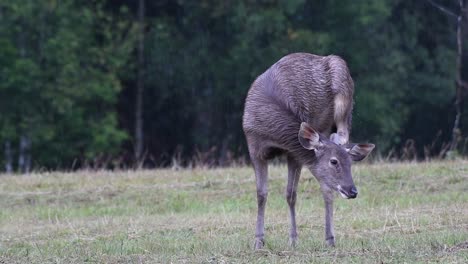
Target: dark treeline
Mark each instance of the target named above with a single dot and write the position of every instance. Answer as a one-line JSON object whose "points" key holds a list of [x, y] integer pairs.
{"points": [[109, 83]]}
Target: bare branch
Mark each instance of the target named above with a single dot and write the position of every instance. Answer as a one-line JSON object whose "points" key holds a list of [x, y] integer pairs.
{"points": [[443, 9]]}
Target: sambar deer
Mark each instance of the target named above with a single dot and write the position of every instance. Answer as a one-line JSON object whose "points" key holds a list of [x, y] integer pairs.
{"points": [[302, 106]]}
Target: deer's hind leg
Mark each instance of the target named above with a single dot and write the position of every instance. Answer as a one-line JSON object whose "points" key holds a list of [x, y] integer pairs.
{"points": [[260, 166], [261, 176], [342, 118]]}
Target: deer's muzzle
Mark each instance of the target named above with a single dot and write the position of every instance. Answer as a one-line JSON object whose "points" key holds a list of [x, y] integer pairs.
{"points": [[348, 192]]}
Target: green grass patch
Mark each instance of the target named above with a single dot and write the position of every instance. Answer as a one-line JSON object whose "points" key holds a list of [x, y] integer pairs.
{"points": [[412, 212]]}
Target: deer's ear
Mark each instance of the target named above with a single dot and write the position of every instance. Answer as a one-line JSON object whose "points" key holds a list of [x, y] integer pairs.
{"points": [[308, 137], [359, 152]]}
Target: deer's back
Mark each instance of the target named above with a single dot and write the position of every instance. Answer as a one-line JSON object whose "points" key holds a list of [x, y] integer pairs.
{"points": [[300, 87]]}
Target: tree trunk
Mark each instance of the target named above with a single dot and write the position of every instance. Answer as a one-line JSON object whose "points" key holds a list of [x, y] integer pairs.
{"points": [[24, 158], [140, 87], [459, 83], [8, 157]]}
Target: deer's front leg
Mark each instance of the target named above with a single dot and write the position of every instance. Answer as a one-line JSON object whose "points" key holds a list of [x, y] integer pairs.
{"points": [[294, 172], [328, 198]]}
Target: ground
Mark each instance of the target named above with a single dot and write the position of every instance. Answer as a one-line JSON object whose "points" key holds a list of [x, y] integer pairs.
{"points": [[405, 212]]}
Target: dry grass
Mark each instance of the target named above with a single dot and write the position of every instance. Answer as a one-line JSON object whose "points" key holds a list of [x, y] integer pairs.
{"points": [[414, 212]]}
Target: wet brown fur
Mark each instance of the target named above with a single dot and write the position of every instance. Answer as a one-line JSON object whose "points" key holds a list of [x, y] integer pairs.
{"points": [[300, 87], [291, 109]]}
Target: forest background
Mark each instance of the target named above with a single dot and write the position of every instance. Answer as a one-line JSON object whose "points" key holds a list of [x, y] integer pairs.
{"points": [[122, 83]]}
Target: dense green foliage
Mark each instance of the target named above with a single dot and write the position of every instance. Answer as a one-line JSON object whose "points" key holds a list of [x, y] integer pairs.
{"points": [[68, 72], [59, 85]]}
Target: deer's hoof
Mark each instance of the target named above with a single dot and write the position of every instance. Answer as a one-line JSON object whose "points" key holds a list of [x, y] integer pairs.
{"points": [[338, 139], [259, 243], [331, 242], [293, 242]]}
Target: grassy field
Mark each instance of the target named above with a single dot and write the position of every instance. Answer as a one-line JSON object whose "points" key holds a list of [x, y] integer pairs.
{"points": [[404, 213]]}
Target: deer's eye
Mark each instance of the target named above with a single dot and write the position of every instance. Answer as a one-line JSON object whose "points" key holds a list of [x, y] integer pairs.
{"points": [[333, 161]]}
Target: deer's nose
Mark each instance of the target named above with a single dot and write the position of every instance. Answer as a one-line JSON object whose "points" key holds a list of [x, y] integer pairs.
{"points": [[353, 192]]}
